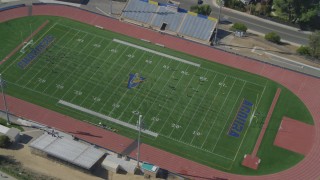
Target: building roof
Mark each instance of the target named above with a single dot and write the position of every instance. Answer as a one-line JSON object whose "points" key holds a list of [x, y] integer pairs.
{"points": [[74, 152], [3, 129]]}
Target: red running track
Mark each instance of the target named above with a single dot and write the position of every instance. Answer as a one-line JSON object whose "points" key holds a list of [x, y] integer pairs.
{"points": [[305, 87]]}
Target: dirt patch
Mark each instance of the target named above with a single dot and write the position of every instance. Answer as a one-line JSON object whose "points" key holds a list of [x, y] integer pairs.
{"points": [[45, 166]]}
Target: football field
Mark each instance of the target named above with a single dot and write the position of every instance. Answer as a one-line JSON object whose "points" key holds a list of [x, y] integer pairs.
{"points": [[190, 105]]}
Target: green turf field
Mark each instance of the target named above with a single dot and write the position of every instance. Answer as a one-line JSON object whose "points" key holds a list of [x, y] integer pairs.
{"points": [[188, 104]]}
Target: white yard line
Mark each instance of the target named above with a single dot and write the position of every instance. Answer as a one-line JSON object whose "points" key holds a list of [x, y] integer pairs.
{"points": [[65, 69], [205, 116], [104, 61], [13, 62], [217, 115], [197, 147], [114, 77], [109, 82], [91, 64], [127, 90], [173, 109], [158, 95], [43, 69], [79, 64], [94, 34], [226, 122], [156, 52], [28, 69], [106, 117], [204, 97], [98, 84], [186, 107], [128, 104], [249, 124]]}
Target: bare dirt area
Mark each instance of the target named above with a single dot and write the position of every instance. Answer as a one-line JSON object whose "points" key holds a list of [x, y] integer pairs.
{"points": [[44, 166]]}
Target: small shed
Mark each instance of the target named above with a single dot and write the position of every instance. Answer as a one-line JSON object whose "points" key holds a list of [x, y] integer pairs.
{"points": [[12, 133], [113, 163]]}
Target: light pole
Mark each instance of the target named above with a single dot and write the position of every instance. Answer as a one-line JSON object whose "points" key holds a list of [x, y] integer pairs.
{"points": [[138, 153], [218, 21], [4, 99], [110, 7]]}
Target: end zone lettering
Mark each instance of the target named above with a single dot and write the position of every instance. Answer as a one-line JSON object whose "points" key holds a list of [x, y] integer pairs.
{"points": [[238, 124], [35, 52]]}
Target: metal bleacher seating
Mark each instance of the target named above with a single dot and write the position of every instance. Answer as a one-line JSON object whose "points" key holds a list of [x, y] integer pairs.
{"points": [[139, 11], [197, 27], [173, 19], [191, 25]]}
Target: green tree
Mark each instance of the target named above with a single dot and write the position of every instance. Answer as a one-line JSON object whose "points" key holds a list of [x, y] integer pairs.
{"points": [[4, 141], [202, 9], [314, 44], [292, 10], [273, 37], [239, 26], [303, 50]]}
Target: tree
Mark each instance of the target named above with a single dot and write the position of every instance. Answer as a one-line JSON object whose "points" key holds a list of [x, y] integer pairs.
{"points": [[314, 44], [202, 9], [273, 37], [4, 141], [303, 50], [239, 26]]}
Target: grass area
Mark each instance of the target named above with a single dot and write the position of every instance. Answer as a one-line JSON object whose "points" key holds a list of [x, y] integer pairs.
{"points": [[4, 123], [191, 108]]}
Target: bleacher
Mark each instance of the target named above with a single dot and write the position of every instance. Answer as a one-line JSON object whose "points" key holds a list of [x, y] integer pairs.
{"points": [[139, 11], [173, 19], [197, 27], [177, 21]]}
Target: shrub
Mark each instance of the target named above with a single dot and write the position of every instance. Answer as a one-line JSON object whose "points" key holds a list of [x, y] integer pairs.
{"points": [[202, 9], [273, 37], [239, 26], [4, 141], [303, 50]]}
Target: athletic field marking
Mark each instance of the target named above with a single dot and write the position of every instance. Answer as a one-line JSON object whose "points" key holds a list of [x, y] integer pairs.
{"points": [[249, 124], [13, 62], [226, 122], [28, 69], [65, 69], [106, 117], [96, 84], [209, 88], [118, 73], [156, 52], [217, 114], [172, 110], [229, 114], [109, 82], [42, 68], [196, 147], [186, 107], [158, 95], [88, 67], [136, 92]]}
